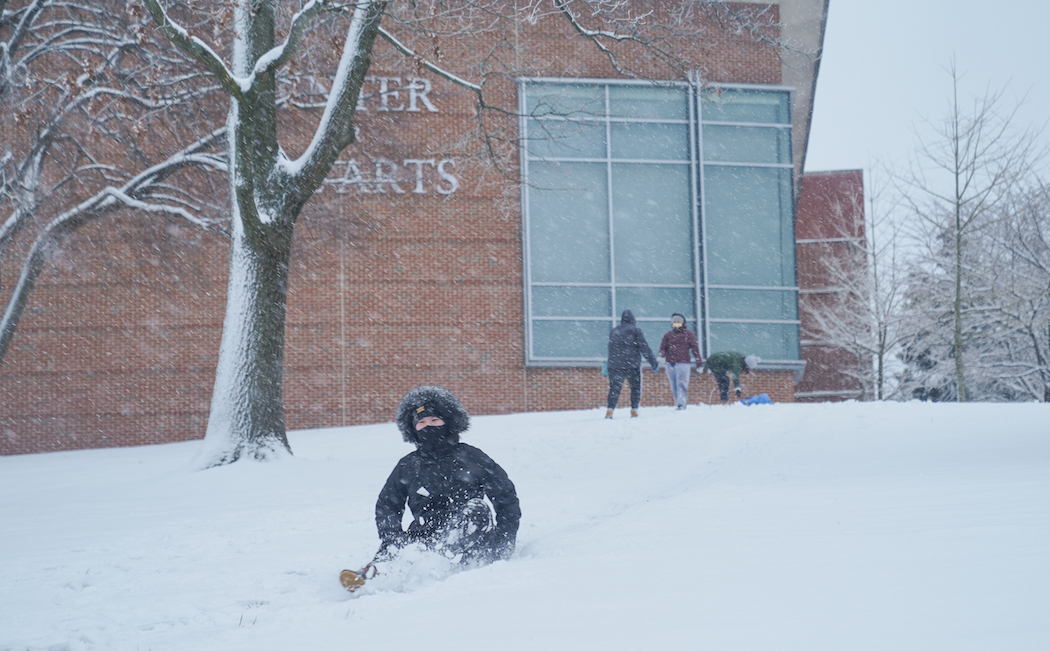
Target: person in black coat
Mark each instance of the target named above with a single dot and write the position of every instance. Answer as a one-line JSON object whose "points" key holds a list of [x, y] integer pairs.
{"points": [[462, 503], [447, 486], [627, 344]]}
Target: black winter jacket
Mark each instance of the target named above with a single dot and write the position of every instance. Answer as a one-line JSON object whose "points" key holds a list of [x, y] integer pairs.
{"points": [[437, 484], [627, 344]]}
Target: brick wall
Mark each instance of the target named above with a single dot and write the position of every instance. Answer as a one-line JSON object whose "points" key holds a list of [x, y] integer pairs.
{"points": [[831, 238]]}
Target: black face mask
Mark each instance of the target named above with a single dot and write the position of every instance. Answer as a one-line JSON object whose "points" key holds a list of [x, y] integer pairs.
{"points": [[432, 437]]}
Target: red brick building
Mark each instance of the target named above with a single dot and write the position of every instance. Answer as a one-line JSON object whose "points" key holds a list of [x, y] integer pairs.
{"points": [[420, 264], [830, 237]]}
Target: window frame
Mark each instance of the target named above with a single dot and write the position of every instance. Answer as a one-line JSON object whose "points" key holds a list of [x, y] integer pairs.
{"points": [[701, 320]]}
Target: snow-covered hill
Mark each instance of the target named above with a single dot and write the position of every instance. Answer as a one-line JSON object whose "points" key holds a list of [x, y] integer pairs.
{"points": [[781, 527]]}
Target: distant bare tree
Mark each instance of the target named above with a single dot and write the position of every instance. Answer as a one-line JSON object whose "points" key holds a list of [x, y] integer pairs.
{"points": [[886, 259], [956, 192], [861, 311], [1021, 281]]}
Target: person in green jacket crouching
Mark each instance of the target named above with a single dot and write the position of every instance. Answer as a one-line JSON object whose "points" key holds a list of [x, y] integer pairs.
{"points": [[721, 364]]}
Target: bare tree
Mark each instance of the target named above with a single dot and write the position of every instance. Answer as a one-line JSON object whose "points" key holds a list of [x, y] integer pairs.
{"points": [[268, 191], [1021, 281], [1006, 311], [470, 43], [836, 311], [929, 352], [861, 312], [957, 190], [81, 91], [886, 259]]}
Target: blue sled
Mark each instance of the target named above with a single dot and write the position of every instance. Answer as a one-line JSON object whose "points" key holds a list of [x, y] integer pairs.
{"points": [[760, 399]]}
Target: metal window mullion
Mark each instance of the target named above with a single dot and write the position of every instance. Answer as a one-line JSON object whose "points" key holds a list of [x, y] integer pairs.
{"points": [[573, 318], [788, 239], [657, 285], [694, 181], [745, 86], [578, 81], [772, 321], [652, 161], [697, 115], [585, 284], [645, 161], [781, 166], [629, 120], [783, 288], [527, 253], [764, 125], [609, 207]]}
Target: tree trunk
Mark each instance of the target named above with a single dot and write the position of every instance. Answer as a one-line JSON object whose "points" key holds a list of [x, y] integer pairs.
{"points": [[247, 412], [880, 362], [247, 403], [1041, 362], [957, 344], [268, 193]]}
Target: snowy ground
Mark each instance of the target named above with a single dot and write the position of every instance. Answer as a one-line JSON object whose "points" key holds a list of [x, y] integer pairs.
{"points": [[783, 527]]}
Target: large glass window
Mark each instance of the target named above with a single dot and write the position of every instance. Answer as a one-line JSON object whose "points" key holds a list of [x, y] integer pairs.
{"points": [[658, 199], [750, 296]]}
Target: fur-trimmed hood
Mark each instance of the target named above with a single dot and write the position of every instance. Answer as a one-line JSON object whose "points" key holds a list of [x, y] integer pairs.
{"points": [[437, 400]]}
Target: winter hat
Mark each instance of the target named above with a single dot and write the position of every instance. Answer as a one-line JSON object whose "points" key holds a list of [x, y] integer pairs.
{"points": [[752, 361], [431, 401], [424, 411], [677, 318]]}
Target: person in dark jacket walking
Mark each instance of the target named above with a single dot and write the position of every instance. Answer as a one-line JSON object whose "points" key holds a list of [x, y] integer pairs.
{"points": [[447, 486], [721, 364], [627, 344], [675, 347]]}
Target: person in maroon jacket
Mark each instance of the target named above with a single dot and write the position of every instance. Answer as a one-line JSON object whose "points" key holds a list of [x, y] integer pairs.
{"points": [[675, 348]]}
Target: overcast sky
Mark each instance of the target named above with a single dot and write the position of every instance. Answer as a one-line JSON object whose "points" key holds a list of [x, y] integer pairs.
{"points": [[884, 71]]}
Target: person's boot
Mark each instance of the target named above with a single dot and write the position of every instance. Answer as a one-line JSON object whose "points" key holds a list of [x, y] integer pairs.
{"points": [[634, 413], [608, 413]]}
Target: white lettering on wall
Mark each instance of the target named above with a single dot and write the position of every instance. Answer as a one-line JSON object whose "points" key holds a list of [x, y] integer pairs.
{"points": [[418, 89], [387, 94], [453, 182], [384, 176], [419, 163]]}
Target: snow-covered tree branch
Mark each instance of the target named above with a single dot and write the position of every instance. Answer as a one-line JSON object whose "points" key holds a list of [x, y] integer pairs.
{"points": [[80, 89], [141, 193]]}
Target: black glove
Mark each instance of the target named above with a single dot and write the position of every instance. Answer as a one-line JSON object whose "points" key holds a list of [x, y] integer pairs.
{"points": [[656, 367]]}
